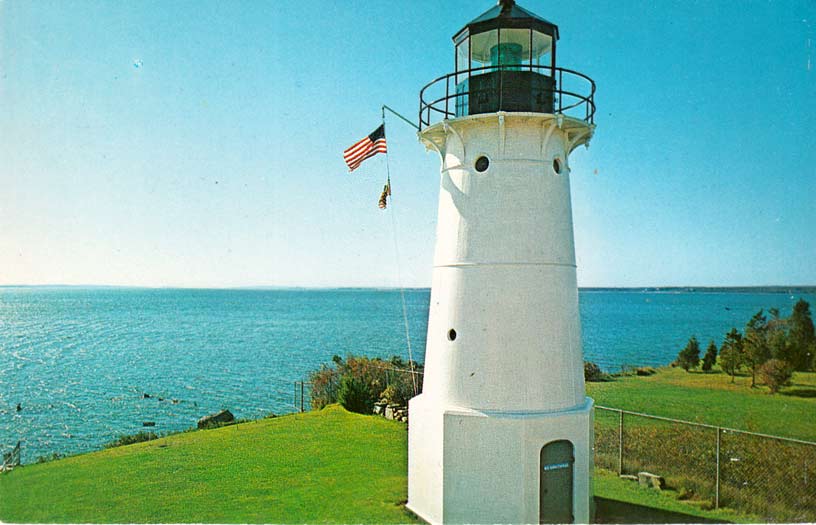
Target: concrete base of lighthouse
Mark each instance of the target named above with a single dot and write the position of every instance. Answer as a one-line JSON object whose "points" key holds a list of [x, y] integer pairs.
{"points": [[469, 466]]}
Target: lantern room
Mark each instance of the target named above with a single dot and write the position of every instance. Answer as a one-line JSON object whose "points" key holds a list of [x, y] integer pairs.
{"points": [[505, 61]]}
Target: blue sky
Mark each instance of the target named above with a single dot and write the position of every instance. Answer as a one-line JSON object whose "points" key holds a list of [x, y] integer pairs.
{"points": [[200, 143]]}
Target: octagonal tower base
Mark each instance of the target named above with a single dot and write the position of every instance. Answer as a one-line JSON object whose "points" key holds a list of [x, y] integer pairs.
{"points": [[470, 466]]}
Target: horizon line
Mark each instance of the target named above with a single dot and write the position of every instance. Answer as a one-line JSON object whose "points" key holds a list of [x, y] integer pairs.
{"points": [[778, 287]]}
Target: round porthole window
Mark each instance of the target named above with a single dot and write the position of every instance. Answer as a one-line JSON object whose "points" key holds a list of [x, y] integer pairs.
{"points": [[451, 335], [482, 163], [557, 166]]}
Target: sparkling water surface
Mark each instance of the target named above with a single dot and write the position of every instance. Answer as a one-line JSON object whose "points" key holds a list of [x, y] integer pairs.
{"points": [[79, 361]]}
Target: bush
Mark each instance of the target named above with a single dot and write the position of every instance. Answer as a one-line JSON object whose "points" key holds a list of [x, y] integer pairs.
{"points": [[324, 386], [377, 379], [593, 372], [645, 371], [355, 395], [50, 457], [776, 373], [132, 438]]}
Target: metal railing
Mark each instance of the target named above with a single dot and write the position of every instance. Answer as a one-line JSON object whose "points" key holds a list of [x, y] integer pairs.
{"points": [[439, 98], [770, 476], [11, 459]]}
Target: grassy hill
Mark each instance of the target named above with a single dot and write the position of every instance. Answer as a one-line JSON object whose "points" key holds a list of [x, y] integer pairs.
{"points": [[297, 468], [334, 466]]}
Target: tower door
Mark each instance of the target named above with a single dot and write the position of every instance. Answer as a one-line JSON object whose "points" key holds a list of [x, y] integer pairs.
{"points": [[555, 498]]}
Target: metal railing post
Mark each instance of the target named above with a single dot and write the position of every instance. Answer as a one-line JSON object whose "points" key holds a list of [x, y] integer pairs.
{"points": [[717, 483], [620, 442], [301, 396]]}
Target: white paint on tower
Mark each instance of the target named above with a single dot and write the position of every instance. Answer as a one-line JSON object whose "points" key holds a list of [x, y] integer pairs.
{"points": [[503, 366]]}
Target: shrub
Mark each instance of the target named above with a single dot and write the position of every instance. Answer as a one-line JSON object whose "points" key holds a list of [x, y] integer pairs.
{"points": [[355, 395], [776, 373], [398, 393], [593, 372], [374, 376], [324, 386], [132, 438], [645, 371], [50, 457]]}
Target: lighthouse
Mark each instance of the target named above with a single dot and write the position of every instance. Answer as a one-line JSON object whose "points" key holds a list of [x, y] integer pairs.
{"points": [[502, 432]]}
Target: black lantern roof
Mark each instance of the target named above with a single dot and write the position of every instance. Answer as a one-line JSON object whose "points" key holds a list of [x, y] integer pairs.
{"points": [[507, 14]]}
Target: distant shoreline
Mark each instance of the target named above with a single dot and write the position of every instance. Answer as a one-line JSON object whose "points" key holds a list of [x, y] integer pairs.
{"points": [[789, 289]]}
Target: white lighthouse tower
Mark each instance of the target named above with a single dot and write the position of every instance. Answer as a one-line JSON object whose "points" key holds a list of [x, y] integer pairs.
{"points": [[502, 432]]}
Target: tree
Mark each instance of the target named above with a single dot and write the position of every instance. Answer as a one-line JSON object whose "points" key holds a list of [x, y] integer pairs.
{"points": [[755, 344], [777, 336], [710, 356], [776, 373], [801, 336], [689, 357], [731, 354]]}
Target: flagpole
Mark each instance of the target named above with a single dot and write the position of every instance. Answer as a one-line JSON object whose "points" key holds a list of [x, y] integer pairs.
{"points": [[397, 254], [384, 107]]}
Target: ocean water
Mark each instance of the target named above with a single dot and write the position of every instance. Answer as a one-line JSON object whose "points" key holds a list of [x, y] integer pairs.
{"points": [[79, 361]]}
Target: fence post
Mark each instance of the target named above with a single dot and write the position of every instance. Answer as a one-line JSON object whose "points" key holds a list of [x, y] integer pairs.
{"points": [[717, 485], [301, 395], [620, 442]]}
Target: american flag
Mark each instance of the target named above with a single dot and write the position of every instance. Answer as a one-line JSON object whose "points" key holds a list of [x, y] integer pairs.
{"points": [[366, 148]]}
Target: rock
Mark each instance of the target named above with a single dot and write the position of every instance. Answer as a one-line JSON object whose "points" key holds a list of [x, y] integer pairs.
{"points": [[647, 479], [379, 408], [149, 424], [225, 416], [389, 412]]}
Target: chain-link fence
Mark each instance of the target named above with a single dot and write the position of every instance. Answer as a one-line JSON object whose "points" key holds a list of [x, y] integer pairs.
{"points": [[770, 476]]}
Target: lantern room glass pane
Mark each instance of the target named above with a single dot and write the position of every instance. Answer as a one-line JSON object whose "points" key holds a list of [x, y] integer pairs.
{"points": [[481, 45], [513, 49], [542, 47], [462, 66], [462, 59]]}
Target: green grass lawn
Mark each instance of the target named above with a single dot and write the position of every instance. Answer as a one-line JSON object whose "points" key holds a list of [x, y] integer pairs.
{"points": [[712, 398], [334, 466], [328, 466]]}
